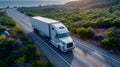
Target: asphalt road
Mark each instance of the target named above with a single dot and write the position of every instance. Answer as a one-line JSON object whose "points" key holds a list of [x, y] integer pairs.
{"points": [[84, 55]]}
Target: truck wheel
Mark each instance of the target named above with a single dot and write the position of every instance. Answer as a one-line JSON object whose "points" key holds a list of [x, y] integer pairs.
{"points": [[35, 30], [59, 47], [46, 38]]}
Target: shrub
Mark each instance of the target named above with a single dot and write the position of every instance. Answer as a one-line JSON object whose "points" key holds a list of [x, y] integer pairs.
{"points": [[2, 28], [3, 64], [30, 51], [112, 42], [82, 32], [90, 32], [3, 41], [2, 37], [111, 31], [18, 29], [107, 22], [116, 22], [99, 22], [73, 30], [20, 60], [86, 24], [103, 22], [85, 32], [38, 63]]}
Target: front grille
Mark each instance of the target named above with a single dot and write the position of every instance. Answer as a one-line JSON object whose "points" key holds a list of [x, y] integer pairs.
{"points": [[69, 45]]}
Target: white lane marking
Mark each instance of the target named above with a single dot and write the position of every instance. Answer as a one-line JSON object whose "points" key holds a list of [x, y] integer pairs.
{"points": [[54, 51], [97, 51]]}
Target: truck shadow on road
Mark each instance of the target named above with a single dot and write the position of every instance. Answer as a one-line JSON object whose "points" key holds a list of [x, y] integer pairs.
{"points": [[95, 57]]}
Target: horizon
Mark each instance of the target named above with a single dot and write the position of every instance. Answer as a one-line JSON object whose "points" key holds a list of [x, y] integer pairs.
{"points": [[31, 3]]}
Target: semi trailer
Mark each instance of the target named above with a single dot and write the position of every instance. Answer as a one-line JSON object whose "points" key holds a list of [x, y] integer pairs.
{"points": [[54, 31]]}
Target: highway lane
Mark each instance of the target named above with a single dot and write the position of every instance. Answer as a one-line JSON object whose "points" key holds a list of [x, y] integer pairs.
{"points": [[82, 56]]}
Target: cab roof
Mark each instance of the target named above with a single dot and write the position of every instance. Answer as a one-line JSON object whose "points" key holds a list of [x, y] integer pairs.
{"points": [[60, 28]]}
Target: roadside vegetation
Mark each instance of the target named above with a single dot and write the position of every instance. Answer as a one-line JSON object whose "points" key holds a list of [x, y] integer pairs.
{"points": [[16, 50], [99, 25]]}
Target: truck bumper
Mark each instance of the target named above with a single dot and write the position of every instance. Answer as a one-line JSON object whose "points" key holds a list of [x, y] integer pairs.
{"points": [[69, 49]]}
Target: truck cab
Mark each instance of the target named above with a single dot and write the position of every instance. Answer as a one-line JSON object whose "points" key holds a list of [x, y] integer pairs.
{"points": [[60, 37]]}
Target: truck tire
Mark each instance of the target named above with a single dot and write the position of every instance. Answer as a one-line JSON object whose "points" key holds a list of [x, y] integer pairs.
{"points": [[35, 30], [59, 47], [46, 38]]}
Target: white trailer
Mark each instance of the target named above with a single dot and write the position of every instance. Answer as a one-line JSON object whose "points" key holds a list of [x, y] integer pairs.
{"points": [[54, 31]]}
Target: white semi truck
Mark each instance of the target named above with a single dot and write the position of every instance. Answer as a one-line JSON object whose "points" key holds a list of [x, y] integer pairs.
{"points": [[54, 31]]}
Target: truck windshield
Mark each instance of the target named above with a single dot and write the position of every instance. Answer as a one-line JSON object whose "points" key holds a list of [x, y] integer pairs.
{"points": [[63, 35]]}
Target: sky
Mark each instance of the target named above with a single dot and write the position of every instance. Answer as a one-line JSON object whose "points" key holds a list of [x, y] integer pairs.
{"points": [[37, 0]]}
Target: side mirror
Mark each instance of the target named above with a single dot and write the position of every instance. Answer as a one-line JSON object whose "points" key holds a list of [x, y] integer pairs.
{"points": [[73, 40]]}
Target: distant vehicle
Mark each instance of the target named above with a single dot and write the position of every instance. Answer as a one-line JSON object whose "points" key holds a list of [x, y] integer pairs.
{"points": [[54, 31]]}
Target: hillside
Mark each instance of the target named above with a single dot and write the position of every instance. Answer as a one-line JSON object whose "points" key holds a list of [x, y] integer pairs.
{"points": [[100, 26], [91, 3]]}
